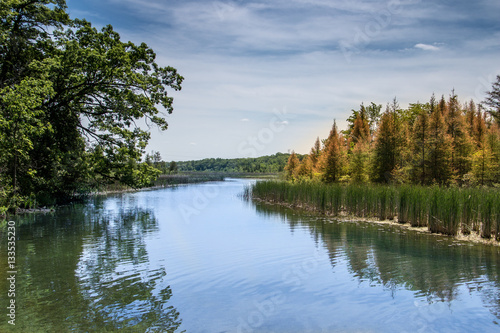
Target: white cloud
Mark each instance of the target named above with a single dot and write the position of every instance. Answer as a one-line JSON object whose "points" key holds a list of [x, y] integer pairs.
{"points": [[243, 59], [426, 47]]}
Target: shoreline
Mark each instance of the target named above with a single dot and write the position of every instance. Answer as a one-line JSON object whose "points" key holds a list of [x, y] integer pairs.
{"points": [[472, 237]]}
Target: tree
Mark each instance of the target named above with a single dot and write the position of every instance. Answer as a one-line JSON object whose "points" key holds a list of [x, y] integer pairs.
{"points": [[333, 157], [359, 163], [305, 169], [173, 167], [374, 112], [440, 148], [420, 147], [461, 143], [291, 167], [361, 129], [388, 144], [91, 89], [493, 99], [315, 154]]}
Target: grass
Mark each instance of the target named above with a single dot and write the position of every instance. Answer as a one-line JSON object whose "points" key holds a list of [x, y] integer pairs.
{"points": [[446, 210]]}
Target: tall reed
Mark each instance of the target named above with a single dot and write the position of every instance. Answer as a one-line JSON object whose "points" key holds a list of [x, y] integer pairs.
{"points": [[440, 209]]}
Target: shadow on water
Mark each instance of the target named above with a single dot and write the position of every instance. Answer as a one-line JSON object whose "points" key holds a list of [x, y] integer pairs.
{"points": [[86, 269], [435, 268]]}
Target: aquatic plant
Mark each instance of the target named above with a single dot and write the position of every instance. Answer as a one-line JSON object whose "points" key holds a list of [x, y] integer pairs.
{"points": [[446, 210]]}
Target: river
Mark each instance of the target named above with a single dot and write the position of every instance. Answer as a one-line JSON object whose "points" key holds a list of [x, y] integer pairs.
{"points": [[199, 258]]}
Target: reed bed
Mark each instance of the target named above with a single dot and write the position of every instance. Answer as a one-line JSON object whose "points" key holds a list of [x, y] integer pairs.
{"points": [[446, 210]]}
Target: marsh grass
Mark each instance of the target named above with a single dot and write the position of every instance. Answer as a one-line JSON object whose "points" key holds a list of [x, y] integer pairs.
{"points": [[446, 210]]}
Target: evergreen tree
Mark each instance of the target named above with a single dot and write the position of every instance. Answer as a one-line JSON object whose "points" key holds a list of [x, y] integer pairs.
{"points": [[493, 100], [482, 159], [440, 148], [387, 150], [305, 169], [291, 167], [314, 155], [493, 137], [333, 156], [359, 163], [461, 142], [361, 129], [421, 147]]}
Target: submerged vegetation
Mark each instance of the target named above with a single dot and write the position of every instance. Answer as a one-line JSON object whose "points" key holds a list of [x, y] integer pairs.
{"points": [[447, 210]]}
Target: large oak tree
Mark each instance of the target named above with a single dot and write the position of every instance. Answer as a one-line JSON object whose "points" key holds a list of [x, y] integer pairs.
{"points": [[76, 103]]}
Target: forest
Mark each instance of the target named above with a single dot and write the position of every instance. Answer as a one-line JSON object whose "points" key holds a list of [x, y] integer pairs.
{"points": [[442, 142], [263, 164]]}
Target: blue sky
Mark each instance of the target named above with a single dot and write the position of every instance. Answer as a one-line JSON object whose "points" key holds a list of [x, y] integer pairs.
{"points": [[270, 76]]}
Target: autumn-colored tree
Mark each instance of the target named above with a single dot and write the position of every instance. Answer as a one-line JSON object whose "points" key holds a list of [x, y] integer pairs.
{"points": [[314, 155], [333, 156], [461, 142], [305, 169], [291, 167], [420, 149], [493, 137], [440, 149], [361, 129], [359, 163], [470, 117]]}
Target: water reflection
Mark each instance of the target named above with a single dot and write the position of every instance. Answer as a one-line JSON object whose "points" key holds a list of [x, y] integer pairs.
{"points": [[437, 269], [86, 269], [132, 263]]}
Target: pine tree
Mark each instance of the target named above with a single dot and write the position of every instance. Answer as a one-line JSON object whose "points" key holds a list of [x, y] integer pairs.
{"points": [[493, 137], [493, 100], [461, 143], [315, 154], [470, 117], [420, 147], [440, 149], [483, 160], [359, 163], [333, 156], [291, 167], [361, 129], [305, 170], [387, 150]]}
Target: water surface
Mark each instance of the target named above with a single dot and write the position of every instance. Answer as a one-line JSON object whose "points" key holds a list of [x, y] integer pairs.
{"points": [[199, 258]]}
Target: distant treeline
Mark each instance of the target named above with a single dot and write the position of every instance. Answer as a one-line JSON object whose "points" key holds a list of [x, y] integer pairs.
{"points": [[264, 164]]}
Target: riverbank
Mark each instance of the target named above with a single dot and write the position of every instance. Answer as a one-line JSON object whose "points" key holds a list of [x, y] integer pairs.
{"points": [[465, 214]]}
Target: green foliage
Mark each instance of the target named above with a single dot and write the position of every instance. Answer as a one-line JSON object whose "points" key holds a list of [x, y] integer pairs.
{"points": [[493, 100], [264, 164], [333, 157], [70, 98]]}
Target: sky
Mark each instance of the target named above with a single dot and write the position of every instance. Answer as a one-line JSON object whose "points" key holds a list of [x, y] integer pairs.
{"points": [[262, 77]]}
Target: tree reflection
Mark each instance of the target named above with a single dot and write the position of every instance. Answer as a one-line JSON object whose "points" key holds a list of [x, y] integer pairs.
{"points": [[86, 269], [434, 267]]}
